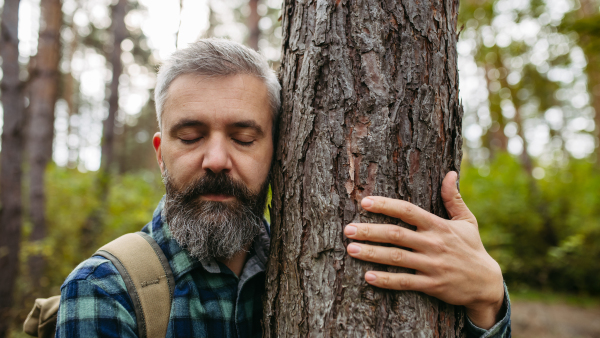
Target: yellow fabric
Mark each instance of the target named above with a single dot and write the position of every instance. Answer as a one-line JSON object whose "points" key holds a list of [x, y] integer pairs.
{"points": [[41, 321], [149, 278]]}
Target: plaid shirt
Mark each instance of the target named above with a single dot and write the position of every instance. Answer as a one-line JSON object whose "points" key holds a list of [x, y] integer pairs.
{"points": [[209, 300]]}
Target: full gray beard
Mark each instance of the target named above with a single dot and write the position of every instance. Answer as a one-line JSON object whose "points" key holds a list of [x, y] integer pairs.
{"points": [[210, 229]]}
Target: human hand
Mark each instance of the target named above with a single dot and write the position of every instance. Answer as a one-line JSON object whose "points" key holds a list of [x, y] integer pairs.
{"points": [[450, 261]]}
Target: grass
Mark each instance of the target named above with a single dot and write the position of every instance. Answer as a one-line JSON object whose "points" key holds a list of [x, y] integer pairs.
{"points": [[548, 297]]}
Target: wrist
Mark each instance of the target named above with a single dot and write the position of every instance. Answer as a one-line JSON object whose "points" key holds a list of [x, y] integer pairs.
{"points": [[485, 314]]}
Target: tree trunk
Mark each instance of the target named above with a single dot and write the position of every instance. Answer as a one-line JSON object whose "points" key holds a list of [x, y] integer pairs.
{"points": [[71, 97], [108, 133], [94, 221], [43, 97], [589, 8], [496, 139], [370, 107], [254, 30], [10, 160], [212, 21]]}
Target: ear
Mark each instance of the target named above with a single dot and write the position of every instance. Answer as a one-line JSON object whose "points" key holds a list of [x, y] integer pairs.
{"points": [[156, 142]]}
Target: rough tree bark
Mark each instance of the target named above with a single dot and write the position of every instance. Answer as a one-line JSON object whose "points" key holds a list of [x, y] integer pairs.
{"points": [[10, 160], [370, 107], [44, 90]]}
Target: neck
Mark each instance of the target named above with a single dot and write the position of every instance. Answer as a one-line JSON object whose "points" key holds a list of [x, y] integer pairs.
{"points": [[237, 262]]}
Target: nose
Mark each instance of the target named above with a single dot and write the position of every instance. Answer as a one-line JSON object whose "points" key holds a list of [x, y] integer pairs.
{"points": [[216, 158]]}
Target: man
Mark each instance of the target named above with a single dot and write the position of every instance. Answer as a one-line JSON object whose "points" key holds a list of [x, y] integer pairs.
{"points": [[217, 103]]}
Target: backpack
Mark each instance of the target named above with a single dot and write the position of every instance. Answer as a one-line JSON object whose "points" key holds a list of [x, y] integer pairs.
{"points": [[148, 278]]}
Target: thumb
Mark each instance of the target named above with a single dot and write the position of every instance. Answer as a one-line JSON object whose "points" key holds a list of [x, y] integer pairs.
{"points": [[456, 207]]}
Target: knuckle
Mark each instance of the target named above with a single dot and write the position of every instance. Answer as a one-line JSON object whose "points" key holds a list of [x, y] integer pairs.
{"points": [[435, 286], [370, 253], [395, 234], [439, 246], [443, 225], [404, 283], [397, 256], [380, 204], [408, 209], [458, 197], [384, 281], [364, 230], [438, 266]]}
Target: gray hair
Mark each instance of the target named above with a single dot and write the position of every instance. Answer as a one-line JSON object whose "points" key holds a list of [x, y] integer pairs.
{"points": [[216, 57]]}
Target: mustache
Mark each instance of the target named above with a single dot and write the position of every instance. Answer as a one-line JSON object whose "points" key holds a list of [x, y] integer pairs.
{"points": [[211, 183]]}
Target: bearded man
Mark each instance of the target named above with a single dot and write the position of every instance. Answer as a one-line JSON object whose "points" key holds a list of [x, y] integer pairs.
{"points": [[217, 104]]}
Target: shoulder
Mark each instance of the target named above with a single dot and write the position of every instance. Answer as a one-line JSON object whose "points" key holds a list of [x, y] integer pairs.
{"points": [[94, 297], [98, 271]]}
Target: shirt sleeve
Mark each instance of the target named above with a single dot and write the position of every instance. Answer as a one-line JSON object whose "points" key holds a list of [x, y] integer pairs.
{"points": [[500, 330], [95, 304]]}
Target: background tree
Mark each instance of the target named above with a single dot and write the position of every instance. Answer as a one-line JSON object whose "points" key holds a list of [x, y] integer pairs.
{"points": [[43, 94], [119, 33], [527, 71], [253, 28], [10, 160], [370, 107], [585, 22], [527, 86]]}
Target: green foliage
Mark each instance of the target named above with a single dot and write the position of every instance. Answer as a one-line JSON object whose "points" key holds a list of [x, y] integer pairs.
{"points": [[71, 197], [544, 233]]}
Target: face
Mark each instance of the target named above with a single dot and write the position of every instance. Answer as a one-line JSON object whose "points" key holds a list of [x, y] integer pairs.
{"points": [[218, 125], [215, 152]]}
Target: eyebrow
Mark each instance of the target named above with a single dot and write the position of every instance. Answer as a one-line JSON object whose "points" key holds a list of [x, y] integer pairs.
{"points": [[184, 124], [249, 124]]}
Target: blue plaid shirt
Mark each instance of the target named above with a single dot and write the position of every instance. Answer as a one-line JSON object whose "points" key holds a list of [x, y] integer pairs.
{"points": [[209, 300]]}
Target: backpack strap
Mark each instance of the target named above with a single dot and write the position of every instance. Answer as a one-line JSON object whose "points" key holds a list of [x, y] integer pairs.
{"points": [[148, 278]]}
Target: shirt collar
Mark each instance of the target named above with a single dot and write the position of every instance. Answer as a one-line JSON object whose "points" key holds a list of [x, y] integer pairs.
{"points": [[180, 260]]}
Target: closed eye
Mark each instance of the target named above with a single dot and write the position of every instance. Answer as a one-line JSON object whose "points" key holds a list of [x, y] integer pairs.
{"points": [[244, 144], [184, 141]]}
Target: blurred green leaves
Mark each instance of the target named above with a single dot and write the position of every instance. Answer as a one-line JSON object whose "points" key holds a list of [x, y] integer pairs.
{"points": [[544, 233], [70, 199]]}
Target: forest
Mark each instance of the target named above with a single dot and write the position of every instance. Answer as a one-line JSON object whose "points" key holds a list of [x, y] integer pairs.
{"points": [[77, 168]]}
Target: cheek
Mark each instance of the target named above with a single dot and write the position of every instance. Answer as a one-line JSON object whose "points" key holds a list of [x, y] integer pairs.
{"points": [[181, 165], [254, 169]]}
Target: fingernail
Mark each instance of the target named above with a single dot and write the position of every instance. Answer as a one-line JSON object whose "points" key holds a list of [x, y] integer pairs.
{"points": [[351, 230], [370, 277], [367, 203], [353, 248]]}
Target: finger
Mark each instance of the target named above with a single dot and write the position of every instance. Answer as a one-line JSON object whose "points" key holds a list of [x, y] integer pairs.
{"points": [[406, 211], [398, 281], [387, 256], [456, 207], [386, 233]]}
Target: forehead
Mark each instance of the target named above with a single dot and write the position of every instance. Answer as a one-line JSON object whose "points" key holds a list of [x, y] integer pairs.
{"points": [[217, 100]]}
